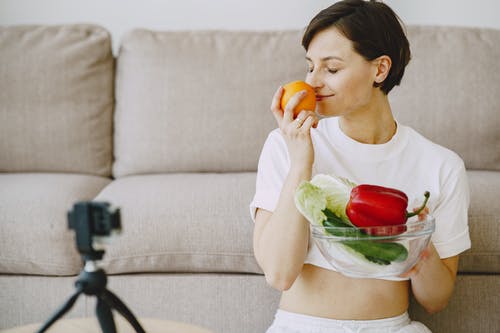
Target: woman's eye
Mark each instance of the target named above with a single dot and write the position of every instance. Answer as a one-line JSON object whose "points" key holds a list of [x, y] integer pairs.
{"points": [[333, 71], [310, 69]]}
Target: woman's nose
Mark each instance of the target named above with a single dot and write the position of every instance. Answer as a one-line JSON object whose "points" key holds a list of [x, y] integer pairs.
{"points": [[313, 80]]}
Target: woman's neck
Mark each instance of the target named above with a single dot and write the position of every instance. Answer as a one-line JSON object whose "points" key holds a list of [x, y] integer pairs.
{"points": [[372, 125]]}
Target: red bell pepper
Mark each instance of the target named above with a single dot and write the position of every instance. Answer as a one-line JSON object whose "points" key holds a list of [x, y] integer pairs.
{"points": [[377, 206]]}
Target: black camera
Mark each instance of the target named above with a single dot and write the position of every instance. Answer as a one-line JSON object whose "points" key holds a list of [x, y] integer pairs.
{"points": [[94, 224]]}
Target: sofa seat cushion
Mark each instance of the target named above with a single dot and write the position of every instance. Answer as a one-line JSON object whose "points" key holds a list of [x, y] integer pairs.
{"points": [[484, 223], [34, 234], [200, 223], [56, 99], [182, 223]]}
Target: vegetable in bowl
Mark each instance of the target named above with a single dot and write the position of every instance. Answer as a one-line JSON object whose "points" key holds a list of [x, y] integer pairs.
{"points": [[365, 220]]}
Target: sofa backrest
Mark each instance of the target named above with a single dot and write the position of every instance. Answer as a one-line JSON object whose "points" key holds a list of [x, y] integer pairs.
{"points": [[199, 101], [56, 99], [451, 91]]}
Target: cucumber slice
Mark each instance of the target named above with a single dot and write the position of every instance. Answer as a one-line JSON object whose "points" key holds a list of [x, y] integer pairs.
{"points": [[382, 253]]}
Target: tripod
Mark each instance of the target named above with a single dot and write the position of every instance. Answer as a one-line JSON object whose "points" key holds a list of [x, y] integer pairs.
{"points": [[92, 281], [94, 221]]}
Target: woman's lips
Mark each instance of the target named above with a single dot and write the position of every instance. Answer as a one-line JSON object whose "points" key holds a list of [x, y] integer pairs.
{"points": [[319, 98]]}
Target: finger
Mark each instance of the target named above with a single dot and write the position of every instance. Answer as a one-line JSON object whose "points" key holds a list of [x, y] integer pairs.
{"points": [[316, 121], [425, 254], [423, 215], [314, 117], [412, 271], [406, 274], [306, 125], [292, 103], [299, 121], [278, 115], [301, 117], [304, 114], [275, 105], [425, 210]]}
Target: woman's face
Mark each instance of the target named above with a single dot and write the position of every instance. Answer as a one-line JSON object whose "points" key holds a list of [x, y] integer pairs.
{"points": [[342, 78]]}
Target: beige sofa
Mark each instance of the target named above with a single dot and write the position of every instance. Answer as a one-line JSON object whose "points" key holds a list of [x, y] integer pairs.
{"points": [[170, 131]]}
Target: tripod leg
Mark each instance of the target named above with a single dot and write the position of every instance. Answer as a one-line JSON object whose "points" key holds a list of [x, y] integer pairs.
{"points": [[105, 316], [59, 313], [114, 302]]}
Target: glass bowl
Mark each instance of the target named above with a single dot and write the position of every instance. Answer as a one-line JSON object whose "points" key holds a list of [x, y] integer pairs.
{"points": [[374, 252]]}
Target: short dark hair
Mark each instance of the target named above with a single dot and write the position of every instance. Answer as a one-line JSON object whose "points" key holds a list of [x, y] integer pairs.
{"points": [[374, 30]]}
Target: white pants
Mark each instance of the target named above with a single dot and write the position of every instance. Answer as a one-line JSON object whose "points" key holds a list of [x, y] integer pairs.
{"points": [[288, 322]]}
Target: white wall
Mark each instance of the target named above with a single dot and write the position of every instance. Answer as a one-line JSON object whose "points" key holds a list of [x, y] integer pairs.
{"points": [[119, 16], [475, 13]]}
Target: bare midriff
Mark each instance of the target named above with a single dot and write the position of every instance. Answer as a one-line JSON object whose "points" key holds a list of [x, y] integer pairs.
{"points": [[325, 293]]}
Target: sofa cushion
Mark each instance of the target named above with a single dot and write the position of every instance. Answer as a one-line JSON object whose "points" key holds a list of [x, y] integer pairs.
{"points": [[182, 223], [450, 91], [56, 99], [484, 224], [33, 299], [200, 223], [34, 234], [473, 307], [199, 101], [242, 303]]}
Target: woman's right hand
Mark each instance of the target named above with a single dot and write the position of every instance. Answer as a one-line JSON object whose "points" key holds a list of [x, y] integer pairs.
{"points": [[296, 132]]}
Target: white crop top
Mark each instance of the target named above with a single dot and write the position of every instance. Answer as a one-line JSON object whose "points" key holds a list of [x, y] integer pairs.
{"points": [[408, 162]]}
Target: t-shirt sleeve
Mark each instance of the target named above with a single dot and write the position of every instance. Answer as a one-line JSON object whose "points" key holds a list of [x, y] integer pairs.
{"points": [[271, 173], [451, 236]]}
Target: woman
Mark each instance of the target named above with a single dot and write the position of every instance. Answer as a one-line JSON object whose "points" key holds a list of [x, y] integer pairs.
{"points": [[356, 52]]}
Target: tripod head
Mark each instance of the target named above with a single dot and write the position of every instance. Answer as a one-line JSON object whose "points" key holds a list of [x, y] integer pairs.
{"points": [[94, 223]]}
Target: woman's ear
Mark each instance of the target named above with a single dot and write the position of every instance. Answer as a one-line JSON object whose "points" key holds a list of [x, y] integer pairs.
{"points": [[383, 66]]}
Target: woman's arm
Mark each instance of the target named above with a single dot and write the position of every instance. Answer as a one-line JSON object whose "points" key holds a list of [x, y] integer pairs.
{"points": [[281, 238], [433, 279]]}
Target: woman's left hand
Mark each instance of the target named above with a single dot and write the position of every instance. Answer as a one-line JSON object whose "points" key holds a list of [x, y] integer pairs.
{"points": [[432, 278], [430, 250]]}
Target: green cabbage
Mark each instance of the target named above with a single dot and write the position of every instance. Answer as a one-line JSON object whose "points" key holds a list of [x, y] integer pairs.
{"points": [[323, 192], [311, 201], [338, 192]]}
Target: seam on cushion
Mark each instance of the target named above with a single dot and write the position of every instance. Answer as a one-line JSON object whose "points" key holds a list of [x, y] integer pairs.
{"points": [[481, 217], [129, 257], [181, 254], [36, 263]]}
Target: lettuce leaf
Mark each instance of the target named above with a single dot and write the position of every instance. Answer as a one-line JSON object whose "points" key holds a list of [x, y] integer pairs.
{"points": [[311, 201], [337, 191], [324, 192]]}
